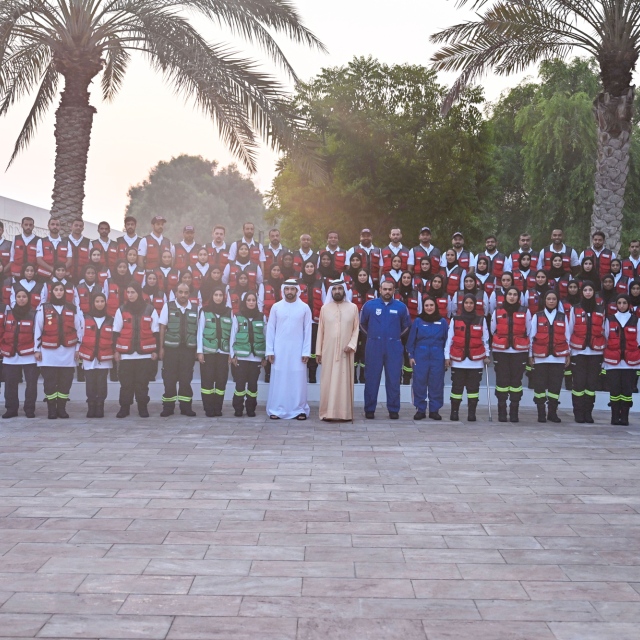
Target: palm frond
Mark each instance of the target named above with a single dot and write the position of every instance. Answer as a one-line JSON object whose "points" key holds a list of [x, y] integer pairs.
{"points": [[116, 61]]}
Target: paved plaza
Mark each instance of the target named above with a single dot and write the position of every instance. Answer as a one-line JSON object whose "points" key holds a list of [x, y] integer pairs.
{"points": [[234, 529]]}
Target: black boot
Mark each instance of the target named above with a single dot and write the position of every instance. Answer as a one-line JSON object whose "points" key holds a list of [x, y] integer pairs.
{"points": [[502, 410], [455, 409], [91, 409], [624, 413], [80, 377], [420, 415], [513, 411], [10, 413], [208, 400], [186, 410], [589, 401], [218, 400], [578, 409], [99, 410], [361, 374], [125, 409], [143, 411], [542, 413], [52, 406], [552, 412], [168, 409], [312, 376], [615, 411], [113, 374], [434, 415], [471, 407], [61, 408]]}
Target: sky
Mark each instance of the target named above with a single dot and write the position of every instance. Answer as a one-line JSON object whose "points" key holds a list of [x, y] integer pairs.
{"points": [[147, 123]]}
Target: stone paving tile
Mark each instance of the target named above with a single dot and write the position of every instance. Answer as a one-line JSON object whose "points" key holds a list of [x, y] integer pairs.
{"points": [[485, 630], [341, 629], [106, 626]]}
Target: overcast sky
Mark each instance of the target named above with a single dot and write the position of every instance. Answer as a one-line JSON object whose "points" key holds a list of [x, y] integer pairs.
{"points": [[146, 123]]}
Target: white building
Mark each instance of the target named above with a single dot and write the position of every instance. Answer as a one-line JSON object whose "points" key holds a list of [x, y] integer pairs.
{"points": [[12, 212]]}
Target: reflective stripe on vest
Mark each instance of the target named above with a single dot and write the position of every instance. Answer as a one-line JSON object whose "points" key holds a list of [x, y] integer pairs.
{"points": [[18, 336], [97, 342], [550, 339], [467, 340], [137, 335], [57, 333], [216, 333], [588, 329], [622, 342], [511, 331], [182, 328], [249, 338]]}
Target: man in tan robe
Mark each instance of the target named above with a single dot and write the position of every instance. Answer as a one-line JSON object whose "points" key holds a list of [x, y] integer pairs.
{"points": [[335, 349]]}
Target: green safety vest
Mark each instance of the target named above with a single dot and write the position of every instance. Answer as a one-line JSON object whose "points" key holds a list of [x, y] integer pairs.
{"points": [[216, 334], [249, 338], [182, 328]]}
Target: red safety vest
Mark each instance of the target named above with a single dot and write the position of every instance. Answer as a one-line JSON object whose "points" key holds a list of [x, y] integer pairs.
{"points": [[443, 307], [217, 258], [136, 335], [185, 259], [522, 282], [515, 260], [602, 263], [611, 308], [252, 273], [496, 264], [561, 285], [7, 287], [467, 340], [420, 252], [35, 295], [110, 255], [23, 253], [113, 299], [338, 259], [622, 286], [269, 298], [316, 301], [412, 303], [622, 342], [139, 276], [123, 247], [453, 281], [588, 329], [480, 310], [271, 258], [388, 255], [550, 339], [97, 342], [85, 294], [534, 302], [198, 278], [156, 301], [488, 286], [80, 258], [254, 251], [511, 331], [154, 251], [360, 299], [69, 290], [51, 255], [421, 285], [464, 259], [235, 302], [168, 282], [5, 253], [59, 330], [298, 260], [17, 335], [629, 270], [566, 259], [370, 261]]}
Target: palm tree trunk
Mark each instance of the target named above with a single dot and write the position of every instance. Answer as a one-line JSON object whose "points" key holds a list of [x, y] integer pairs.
{"points": [[74, 120], [613, 115]]}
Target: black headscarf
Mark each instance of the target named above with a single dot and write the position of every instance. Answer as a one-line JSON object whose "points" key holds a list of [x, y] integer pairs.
{"points": [[242, 244], [330, 271], [484, 271], [57, 300], [403, 289], [608, 295], [573, 298], [151, 290], [88, 267], [24, 268], [121, 280], [634, 301], [509, 307], [430, 317], [309, 280], [476, 289], [425, 275], [287, 272], [137, 307], [555, 272], [542, 290], [361, 287], [468, 316], [276, 283], [589, 304], [94, 312], [543, 305], [441, 292], [619, 262], [453, 264], [351, 271], [19, 313], [245, 312], [219, 308]]}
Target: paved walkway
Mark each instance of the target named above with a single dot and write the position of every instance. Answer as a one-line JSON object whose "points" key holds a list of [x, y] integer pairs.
{"points": [[235, 529]]}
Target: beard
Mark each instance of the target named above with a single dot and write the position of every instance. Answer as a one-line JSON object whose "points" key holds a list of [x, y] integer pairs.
{"points": [[290, 296], [338, 296]]}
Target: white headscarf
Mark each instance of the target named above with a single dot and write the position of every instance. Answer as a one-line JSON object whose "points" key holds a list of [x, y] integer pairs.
{"points": [[290, 283], [337, 283]]}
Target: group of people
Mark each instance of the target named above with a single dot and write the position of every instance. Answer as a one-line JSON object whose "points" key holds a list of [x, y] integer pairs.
{"points": [[94, 308]]}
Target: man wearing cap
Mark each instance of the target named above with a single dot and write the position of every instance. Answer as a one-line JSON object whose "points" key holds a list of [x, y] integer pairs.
{"points": [[108, 247], [394, 248], [384, 321], [466, 259], [256, 250], [151, 246], [338, 330], [186, 251], [370, 255], [425, 250], [288, 350]]}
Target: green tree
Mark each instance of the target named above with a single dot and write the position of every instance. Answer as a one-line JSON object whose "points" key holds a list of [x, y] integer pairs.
{"points": [[509, 36], [44, 41], [391, 158], [191, 190]]}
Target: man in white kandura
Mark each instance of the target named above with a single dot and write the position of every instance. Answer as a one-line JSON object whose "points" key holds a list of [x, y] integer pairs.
{"points": [[288, 350]]}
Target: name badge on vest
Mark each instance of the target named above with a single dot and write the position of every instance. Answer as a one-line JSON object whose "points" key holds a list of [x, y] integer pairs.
{"points": [[378, 312]]}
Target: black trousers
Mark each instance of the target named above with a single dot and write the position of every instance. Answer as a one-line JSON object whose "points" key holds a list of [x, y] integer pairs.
{"points": [[214, 374], [407, 370], [547, 382], [177, 374], [96, 382], [468, 379], [312, 364], [621, 383], [134, 381], [362, 345], [57, 382], [586, 377], [12, 374], [509, 368], [246, 393]]}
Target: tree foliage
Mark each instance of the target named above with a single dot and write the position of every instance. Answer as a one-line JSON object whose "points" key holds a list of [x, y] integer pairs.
{"points": [[392, 159], [192, 190]]}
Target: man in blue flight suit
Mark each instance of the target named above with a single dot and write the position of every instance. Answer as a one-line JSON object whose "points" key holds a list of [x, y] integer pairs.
{"points": [[385, 321]]}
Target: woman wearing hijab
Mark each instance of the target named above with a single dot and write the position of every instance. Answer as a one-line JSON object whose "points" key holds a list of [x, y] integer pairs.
{"points": [[168, 275], [497, 297], [351, 274], [287, 267], [425, 346], [587, 344], [136, 329], [186, 277], [621, 281], [96, 353], [572, 298], [558, 276], [152, 293], [116, 286], [422, 276], [243, 264], [550, 355], [58, 332], [453, 272], [312, 294], [471, 287], [621, 359], [235, 294], [466, 352], [37, 290], [270, 290], [608, 295], [214, 336], [484, 277], [533, 297], [248, 346], [361, 292], [412, 300], [634, 296], [17, 347], [510, 328], [395, 273], [588, 273], [438, 292]]}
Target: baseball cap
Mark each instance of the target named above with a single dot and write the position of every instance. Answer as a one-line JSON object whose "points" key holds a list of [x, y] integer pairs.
{"points": [[458, 233], [425, 229], [365, 231], [158, 219], [188, 227]]}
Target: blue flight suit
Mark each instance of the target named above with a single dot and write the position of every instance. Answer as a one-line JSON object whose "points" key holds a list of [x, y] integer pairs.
{"points": [[426, 346], [384, 325]]}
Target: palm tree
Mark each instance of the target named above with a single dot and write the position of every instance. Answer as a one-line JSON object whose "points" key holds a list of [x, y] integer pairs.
{"points": [[510, 35], [44, 41]]}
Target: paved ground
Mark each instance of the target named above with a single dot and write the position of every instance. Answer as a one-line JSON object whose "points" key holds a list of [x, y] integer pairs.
{"points": [[250, 529]]}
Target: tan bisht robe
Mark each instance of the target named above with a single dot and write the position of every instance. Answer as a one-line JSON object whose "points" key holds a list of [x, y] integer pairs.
{"points": [[337, 328]]}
